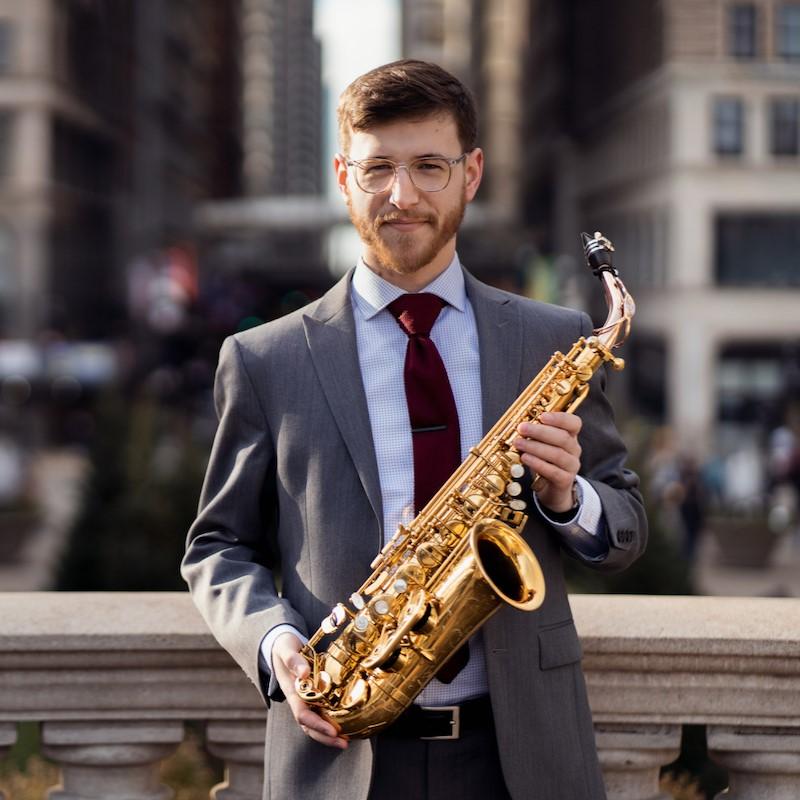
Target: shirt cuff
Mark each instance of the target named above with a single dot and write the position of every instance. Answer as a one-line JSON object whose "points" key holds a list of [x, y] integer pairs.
{"points": [[265, 652], [585, 533]]}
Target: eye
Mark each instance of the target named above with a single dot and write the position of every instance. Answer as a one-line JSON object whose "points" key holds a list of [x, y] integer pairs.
{"points": [[430, 165], [376, 167]]}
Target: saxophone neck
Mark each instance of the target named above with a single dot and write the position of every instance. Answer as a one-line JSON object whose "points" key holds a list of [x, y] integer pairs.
{"points": [[598, 251]]}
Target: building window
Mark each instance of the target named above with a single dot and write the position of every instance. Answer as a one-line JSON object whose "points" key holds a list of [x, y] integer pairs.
{"points": [[728, 127], [785, 126], [758, 249], [742, 30], [6, 143], [788, 20], [6, 46]]}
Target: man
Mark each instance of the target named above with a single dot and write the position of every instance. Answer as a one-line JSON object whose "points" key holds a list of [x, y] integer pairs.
{"points": [[318, 458]]}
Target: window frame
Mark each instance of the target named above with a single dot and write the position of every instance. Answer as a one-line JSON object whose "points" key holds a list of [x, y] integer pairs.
{"points": [[734, 29], [719, 126], [786, 47], [775, 103]]}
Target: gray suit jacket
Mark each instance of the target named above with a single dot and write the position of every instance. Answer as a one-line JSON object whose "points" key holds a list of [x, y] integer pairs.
{"points": [[292, 499]]}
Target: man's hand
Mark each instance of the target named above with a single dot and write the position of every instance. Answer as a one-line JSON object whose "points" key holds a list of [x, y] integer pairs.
{"points": [[289, 665], [550, 449]]}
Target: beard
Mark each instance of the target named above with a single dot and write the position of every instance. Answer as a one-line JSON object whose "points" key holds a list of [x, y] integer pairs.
{"points": [[407, 253]]}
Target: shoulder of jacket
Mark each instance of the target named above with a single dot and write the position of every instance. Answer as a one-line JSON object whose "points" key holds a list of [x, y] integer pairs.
{"points": [[536, 310], [280, 333]]}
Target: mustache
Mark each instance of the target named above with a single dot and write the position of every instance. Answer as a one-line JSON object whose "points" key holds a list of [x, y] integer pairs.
{"points": [[388, 218]]}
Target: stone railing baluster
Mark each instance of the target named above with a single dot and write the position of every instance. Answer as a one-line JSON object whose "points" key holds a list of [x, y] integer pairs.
{"points": [[8, 736], [100, 760], [241, 746], [762, 763], [631, 757]]}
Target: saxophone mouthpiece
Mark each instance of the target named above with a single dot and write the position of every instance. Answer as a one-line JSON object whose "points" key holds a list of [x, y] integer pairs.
{"points": [[598, 250]]}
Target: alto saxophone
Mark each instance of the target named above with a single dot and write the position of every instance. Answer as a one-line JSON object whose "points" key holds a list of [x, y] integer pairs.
{"points": [[441, 577]]}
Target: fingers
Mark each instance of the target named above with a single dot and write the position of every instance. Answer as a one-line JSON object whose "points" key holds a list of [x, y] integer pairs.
{"points": [[551, 422], [550, 449], [313, 725], [290, 665]]}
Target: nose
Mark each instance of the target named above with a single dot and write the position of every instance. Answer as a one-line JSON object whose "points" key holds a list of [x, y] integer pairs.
{"points": [[404, 193]]}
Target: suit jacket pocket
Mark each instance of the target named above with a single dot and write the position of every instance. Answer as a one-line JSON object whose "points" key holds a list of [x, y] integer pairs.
{"points": [[559, 646]]}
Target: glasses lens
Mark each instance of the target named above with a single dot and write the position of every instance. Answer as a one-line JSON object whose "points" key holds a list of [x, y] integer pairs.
{"points": [[430, 174], [375, 175]]}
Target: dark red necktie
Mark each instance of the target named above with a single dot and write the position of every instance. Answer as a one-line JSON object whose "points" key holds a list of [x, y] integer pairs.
{"points": [[433, 415], [431, 407]]}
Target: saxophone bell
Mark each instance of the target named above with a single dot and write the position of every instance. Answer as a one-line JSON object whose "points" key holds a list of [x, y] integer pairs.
{"points": [[508, 564]]}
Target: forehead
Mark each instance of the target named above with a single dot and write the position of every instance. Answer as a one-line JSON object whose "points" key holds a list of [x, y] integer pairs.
{"points": [[408, 138]]}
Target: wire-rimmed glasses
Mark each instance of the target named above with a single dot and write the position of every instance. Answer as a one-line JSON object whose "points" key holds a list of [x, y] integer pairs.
{"points": [[429, 174]]}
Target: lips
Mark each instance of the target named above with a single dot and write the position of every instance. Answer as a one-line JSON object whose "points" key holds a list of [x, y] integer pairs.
{"points": [[405, 223]]}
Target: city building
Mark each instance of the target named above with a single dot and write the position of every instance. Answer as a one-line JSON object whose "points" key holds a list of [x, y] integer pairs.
{"points": [[280, 94], [674, 127], [107, 112]]}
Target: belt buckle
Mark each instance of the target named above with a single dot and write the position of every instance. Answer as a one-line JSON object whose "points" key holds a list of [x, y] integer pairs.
{"points": [[455, 721]]}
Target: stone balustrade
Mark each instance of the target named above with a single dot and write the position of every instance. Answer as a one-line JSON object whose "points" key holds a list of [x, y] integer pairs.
{"points": [[112, 678]]}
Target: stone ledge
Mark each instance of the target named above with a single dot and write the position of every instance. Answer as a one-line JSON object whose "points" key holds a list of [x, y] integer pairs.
{"points": [[654, 660]]}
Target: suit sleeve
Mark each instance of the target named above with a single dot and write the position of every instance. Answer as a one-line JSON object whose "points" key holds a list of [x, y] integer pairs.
{"points": [[228, 551], [603, 465]]}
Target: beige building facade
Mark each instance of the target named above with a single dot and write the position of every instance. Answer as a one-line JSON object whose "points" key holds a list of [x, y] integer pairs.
{"points": [[673, 127]]}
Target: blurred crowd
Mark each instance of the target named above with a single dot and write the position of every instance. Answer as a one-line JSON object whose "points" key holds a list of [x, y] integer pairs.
{"points": [[759, 481]]}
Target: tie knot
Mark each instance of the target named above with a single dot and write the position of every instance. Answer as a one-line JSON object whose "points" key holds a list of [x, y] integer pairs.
{"points": [[416, 313]]}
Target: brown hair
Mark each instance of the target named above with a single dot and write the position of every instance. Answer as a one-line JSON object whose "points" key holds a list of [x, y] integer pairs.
{"points": [[407, 89]]}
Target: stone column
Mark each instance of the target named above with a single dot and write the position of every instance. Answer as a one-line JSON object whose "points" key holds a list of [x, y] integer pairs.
{"points": [[8, 735], [763, 763], [632, 755], [240, 744], [106, 760]]}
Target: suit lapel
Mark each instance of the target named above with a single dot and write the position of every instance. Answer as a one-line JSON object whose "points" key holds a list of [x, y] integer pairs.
{"points": [[500, 341], [331, 336]]}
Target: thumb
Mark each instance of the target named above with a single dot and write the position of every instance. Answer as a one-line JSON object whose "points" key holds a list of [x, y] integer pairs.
{"points": [[297, 665]]}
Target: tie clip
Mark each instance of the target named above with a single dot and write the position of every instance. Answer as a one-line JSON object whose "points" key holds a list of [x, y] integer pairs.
{"points": [[429, 429]]}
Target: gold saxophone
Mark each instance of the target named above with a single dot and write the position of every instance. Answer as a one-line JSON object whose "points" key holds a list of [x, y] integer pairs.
{"points": [[440, 578]]}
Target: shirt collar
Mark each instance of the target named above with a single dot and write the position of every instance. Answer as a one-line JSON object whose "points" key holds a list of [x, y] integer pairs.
{"points": [[372, 293]]}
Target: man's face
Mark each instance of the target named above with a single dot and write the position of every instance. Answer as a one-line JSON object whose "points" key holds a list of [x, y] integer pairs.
{"points": [[405, 230]]}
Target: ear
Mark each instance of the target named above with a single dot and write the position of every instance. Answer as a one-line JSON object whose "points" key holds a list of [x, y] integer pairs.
{"points": [[473, 171], [340, 168]]}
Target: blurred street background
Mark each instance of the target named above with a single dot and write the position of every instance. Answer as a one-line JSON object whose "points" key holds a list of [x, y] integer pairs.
{"points": [[165, 181]]}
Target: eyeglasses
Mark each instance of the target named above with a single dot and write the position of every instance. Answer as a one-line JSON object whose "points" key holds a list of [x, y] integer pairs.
{"points": [[432, 174]]}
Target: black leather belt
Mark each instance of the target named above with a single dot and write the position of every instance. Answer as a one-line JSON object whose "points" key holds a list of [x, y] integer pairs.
{"points": [[442, 722]]}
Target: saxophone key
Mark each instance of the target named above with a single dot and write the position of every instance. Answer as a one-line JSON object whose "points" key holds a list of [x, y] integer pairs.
{"points": [[494, 483], [429, 555], [380, 608], [517, 470], [513, 488], [361, 623], [335, 619], [356, 694]]}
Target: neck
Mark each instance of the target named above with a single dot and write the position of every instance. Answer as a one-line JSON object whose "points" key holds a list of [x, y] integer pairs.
{"points": [[420, 278]]}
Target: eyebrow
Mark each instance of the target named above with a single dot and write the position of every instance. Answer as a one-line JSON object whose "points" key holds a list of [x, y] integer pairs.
{"points": [[413, 158]]}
